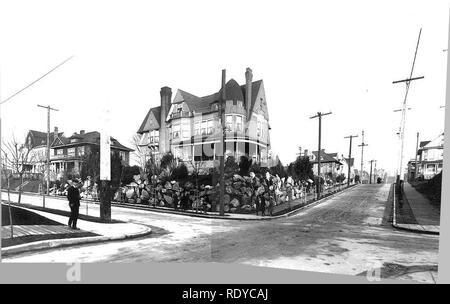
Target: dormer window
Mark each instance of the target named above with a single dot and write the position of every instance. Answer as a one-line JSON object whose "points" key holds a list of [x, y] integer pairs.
{"points": [[214, 107]]}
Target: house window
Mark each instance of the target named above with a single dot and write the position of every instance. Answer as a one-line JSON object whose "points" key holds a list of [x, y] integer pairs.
{"points": [[214, 107], [71, 151], [186, 130], [239, 104], [155, 135], [81, 151], [258, 129], [204, 127], [431, 169], [239, 123], [229, 122], [197, 128], [176, 131], [210, 127], [59, 151]]}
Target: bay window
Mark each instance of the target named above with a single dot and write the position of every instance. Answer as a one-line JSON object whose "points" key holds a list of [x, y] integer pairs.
{"points": [[175, 131]]}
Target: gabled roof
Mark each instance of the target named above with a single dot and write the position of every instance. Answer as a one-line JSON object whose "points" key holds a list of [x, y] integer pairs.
{"points": [[350, 161], [424, 143], [89, 138], [183, 96], [256, 85], [325, 157], [157, 112], [233, 92], [40, 138]]}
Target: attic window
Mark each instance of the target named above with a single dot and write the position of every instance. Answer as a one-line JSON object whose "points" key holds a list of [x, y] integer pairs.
{"points": [[73, 140]]}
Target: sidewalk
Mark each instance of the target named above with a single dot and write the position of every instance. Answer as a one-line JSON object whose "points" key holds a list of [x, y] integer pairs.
{"points": [[104, 231], [426, 216]]}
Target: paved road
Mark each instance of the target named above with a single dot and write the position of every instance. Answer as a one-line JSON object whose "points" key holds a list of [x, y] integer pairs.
{"points": [[346, 234]]}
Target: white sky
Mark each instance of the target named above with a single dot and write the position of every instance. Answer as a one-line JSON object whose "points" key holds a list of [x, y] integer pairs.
{"points": [[338, 56]]}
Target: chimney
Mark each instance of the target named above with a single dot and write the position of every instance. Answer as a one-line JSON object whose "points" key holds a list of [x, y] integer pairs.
{"points": [[55, 133], [82, 132], [164, 135], [306, 153], [248, 91]]}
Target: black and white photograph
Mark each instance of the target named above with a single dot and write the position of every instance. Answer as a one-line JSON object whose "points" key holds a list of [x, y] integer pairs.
{"points": [[300, 135]]}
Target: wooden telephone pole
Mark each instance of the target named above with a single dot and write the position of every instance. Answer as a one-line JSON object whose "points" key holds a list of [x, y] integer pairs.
{"points": [[222, 141], [416, 167], [48, 145], [370, 176], [403, 110], [350, 158], [362, 145], [319, 115]]}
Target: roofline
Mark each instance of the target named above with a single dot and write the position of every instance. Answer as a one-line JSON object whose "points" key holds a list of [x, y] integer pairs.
{"points": [[90, 143]]}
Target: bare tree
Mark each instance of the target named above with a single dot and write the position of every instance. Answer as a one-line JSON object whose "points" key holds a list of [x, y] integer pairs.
{"points": [[19, 158], [197, 168], [141, 153], [7, 175]]}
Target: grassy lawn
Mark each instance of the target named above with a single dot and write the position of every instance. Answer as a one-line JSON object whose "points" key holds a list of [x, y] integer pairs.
{"points": [[24, 217]]}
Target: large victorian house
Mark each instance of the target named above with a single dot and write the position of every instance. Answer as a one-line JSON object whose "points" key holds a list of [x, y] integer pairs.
{"points": [[189, 126], [36, 142]]}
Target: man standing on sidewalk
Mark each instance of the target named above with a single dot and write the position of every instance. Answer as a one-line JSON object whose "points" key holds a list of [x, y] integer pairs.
{"points": [[73, 195]]}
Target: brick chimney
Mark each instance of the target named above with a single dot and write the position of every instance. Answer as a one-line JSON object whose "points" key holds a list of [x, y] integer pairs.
{"points": [[248, 91], [164, 134], [55, 133], [82, 132]]}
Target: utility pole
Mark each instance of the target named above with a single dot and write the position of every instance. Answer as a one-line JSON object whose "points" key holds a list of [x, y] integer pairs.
{"points": [[48, 144], [404, 108], [319, 115], [222, 141], [370, 176], [362, 145], [350, 157], [416, 168]]}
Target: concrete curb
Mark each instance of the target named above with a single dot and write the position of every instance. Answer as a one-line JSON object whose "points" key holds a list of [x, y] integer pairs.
{"points": [[423, 229], [66, 242]]}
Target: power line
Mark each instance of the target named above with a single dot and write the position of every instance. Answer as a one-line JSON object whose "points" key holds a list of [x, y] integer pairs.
{"points": [[29, 85]]}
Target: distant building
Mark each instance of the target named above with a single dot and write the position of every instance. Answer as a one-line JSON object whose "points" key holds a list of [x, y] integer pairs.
{"points": [[68, 152], [189, 126], [430, 157], [329, 164], [346, 163], [36, 142]]}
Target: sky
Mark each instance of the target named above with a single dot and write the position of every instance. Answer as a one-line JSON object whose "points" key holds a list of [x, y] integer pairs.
{"points": [[338, 56]]}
